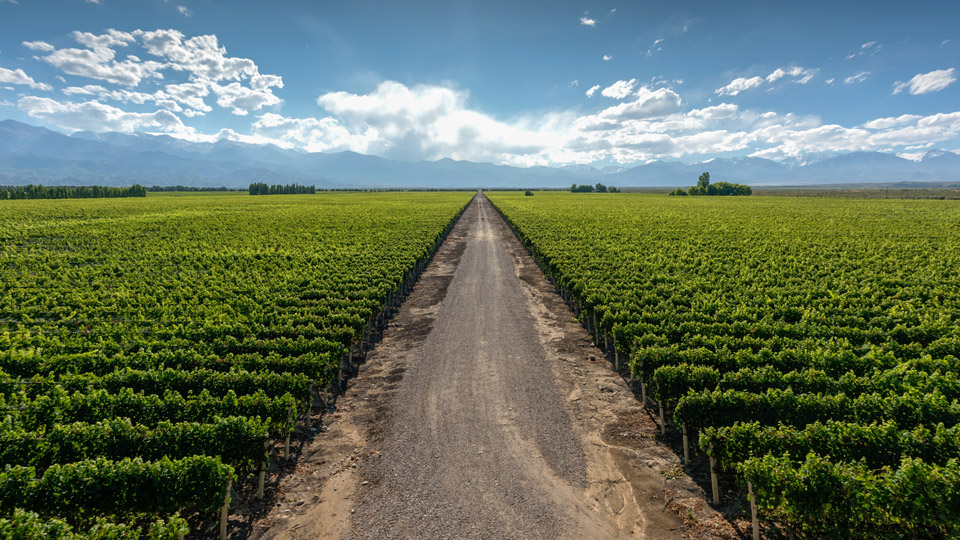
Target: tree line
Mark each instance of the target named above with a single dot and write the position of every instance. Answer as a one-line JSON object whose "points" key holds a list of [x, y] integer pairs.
{"points": [[31, 191], [261, 188], [587, 188], [704, 187], [178, 187]]}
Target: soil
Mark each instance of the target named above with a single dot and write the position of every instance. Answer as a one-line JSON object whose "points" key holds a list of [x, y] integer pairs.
{"points": [[486, 411]]}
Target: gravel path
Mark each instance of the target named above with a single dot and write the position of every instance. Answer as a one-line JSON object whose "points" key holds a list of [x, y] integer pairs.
{"points": [[478, 444]]}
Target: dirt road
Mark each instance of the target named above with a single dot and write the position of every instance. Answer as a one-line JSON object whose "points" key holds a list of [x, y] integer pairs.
{"points": [[486, 412]]}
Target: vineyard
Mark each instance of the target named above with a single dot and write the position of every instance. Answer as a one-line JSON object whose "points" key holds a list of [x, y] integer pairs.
{"points": [[156, 353], [809, 348]]}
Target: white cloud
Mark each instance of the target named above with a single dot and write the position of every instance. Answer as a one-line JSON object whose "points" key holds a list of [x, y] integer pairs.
{"points": [[619, 89], [42, 46], [98, 59], [431, 122], [202, 58], [242, 99], [585, 21], [96, 116], [188, 94], [85, 90], [869, 48], [593, 90], [907, 131], [655, 47], [648, 104], [887, 123], [18, 76], [607, 58], [912, 156], [170, 98], [716, 112], [925, 83], [830, 80], [800, 75], [263, 82], [185, 11], [857, 77], [311, 134], [797, 74], [575, 82], [739, 85]]}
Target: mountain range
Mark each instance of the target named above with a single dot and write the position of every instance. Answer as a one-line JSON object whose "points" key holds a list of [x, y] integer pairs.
{"points": [[31, 154]]}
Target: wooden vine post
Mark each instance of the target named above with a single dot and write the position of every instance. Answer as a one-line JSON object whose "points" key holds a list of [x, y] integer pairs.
{"points": [[225, 511], [616, 355], [753, 510], [714, 483], [262, 477], [643, 386], [306, 417], [286, 444], [663, 421], [686, 446], [596, 331]]}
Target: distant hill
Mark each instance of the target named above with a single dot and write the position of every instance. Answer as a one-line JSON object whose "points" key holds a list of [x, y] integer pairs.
{"points": [[30, 154]]}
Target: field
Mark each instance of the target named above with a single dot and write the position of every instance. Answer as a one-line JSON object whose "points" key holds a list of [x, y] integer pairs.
{"points": [[799, 353], [810, 345], [153, 350]]}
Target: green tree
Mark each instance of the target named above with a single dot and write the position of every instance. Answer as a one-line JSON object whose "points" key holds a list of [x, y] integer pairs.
{"points": [[704, 182]]}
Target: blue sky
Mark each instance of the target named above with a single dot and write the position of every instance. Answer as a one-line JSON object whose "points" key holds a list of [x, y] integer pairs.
{"points": [[521, 83]]}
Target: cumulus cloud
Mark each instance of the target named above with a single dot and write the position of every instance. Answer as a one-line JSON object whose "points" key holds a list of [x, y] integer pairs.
{"points": [[188, 94], [98, 59], [592, 90], [201, 56], [925, 83], [96, 116], [429, 122], [236, 82], [739, 85], [607, 58], [19, 77], [42, 46], [857, 77], [170, 97], [586, 21], [799, 74], [647, 104], [907, 131], [894, 121], [85, 90], [242, 99], [796, 74], [619, 89], [312, 134]]}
